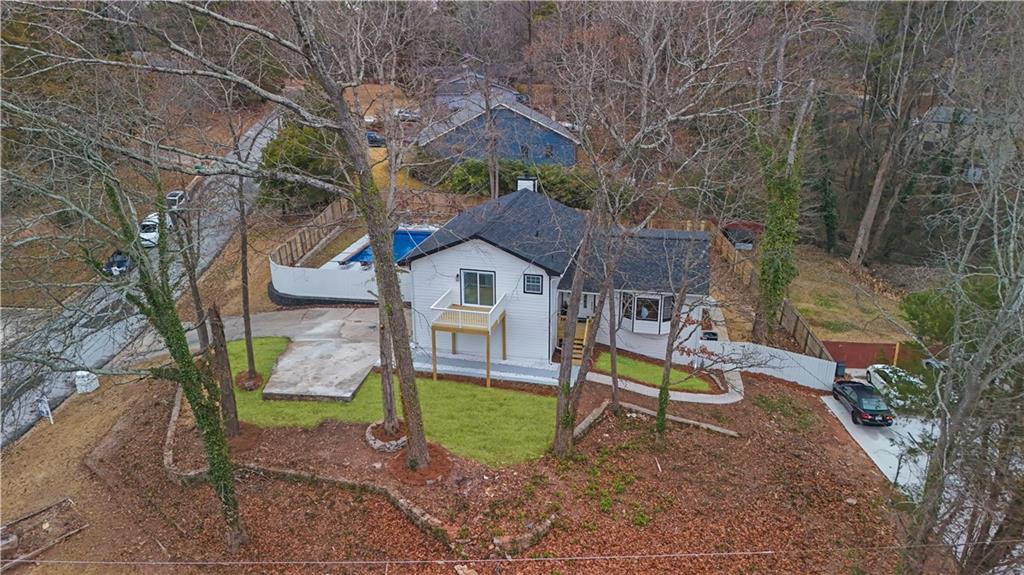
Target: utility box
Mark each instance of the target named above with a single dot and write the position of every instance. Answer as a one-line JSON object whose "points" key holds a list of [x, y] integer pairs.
{"points": [[86, 382]]}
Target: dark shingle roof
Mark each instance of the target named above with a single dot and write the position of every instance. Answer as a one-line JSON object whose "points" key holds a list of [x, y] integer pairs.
{"points": [[469, 112], [530, 226], [661, 261]]}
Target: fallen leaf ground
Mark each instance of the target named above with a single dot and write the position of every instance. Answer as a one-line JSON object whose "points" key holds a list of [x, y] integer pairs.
{"points": [[774, 501]]}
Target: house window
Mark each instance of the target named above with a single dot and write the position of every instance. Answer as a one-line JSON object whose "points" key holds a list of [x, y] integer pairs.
{"points": [[627, 306], [524, 152], [477, 288], [533, 283], [647, 308], [549, 151], [666, 307]]}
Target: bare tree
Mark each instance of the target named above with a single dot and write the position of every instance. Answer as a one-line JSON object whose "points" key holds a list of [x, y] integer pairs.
{"points": [[152, 290], [973, 488], [908, 58], [328, 45], [634, 77]]}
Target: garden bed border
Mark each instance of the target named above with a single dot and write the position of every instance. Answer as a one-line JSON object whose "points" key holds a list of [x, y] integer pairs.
{"points": [[426, 522]]}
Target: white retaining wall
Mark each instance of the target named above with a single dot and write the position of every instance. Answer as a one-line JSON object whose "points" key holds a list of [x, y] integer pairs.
{"points": [[803, 369], [355, 284]]}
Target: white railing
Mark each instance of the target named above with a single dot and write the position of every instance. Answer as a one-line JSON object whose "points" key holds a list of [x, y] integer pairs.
{"points": [[482, 318]]}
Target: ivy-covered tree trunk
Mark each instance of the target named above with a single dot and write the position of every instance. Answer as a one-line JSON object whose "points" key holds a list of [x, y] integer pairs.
{"points": [[614, 308], [158, 305], [781, 177], [674, 330]]}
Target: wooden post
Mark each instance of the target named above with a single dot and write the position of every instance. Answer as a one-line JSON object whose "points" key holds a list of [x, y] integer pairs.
{"points": [[222, 371], [433, 352], [896, 354], [488, 359], [505, 354], [454, 345]]}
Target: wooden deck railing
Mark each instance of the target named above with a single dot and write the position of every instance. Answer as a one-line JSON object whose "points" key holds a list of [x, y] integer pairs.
{"points": [[302, 242], [451, 315]]}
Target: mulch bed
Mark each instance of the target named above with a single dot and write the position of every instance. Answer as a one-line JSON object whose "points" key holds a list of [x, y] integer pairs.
{"points": [[700, 491], [244, 381], [380, 434], [440, 466], [773, 489], [285, 520]]}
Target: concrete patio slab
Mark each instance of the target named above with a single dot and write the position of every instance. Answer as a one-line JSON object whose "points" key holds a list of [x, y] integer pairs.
{"points": [[324, 370]]}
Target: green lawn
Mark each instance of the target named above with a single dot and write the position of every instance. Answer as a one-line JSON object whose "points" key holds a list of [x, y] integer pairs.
{"points": [[493, 426], [650, 373]]}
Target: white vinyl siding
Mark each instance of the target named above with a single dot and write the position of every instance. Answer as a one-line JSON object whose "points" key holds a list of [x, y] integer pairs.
{"points": [[527, 315]]}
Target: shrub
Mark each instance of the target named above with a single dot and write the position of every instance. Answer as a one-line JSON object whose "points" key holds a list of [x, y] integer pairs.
{"points": [[305, 150], [572, 186]]}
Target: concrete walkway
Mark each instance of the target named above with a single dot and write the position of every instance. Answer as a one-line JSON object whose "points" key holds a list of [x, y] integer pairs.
{"points": [[730, 396], [733, 381]]}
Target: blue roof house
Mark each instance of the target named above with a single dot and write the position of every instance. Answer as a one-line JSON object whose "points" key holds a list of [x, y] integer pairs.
{"points": [[522, 133]]}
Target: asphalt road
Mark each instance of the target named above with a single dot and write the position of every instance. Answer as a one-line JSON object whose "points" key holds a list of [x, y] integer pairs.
{"points": [[99, 324]]}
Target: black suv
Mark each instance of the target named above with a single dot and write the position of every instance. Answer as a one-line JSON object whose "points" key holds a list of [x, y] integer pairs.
{"points": [[864, 402]]}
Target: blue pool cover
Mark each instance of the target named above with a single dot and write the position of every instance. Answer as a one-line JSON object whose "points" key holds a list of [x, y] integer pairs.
{"points": [[404, 242]]}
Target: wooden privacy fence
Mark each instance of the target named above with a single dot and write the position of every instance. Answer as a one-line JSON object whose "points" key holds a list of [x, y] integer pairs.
{"points": [[794, 323], [739, 263], [302, 242], [433, 206]]}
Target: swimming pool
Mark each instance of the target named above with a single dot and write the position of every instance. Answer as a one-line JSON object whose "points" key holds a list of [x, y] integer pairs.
{"points": [[404, 241]]}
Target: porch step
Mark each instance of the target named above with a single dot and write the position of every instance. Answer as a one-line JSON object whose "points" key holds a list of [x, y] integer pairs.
{"points": [[579, 342]]}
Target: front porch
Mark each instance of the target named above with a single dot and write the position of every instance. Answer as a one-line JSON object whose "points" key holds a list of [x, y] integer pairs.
{"points": [[456, 318]]}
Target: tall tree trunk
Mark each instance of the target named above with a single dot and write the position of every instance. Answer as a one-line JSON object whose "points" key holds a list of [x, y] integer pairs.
{"points": [[883, 224], [190, 261], [243, 237], [570, 390], [564, 417], [867, 221], [614, 308], [491, 131], [386, 389], [779, 82], [367, 200], [675, 327], [391, 299], [222, 370]]}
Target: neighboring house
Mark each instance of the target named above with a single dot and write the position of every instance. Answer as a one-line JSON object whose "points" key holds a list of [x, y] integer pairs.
{"points": [[490, 285], [979, 142], [522, 133], [461, 89]]}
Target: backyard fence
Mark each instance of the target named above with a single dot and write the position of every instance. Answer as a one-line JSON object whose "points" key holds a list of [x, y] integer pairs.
{"points": [[797, 326], [434, 207], [321, 228]]}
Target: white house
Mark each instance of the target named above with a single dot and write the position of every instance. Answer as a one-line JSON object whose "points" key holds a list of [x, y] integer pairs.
{"points": [[490, 285]]}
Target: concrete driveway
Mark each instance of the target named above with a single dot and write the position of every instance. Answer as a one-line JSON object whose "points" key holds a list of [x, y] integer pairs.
{"points": [[888, 446]]}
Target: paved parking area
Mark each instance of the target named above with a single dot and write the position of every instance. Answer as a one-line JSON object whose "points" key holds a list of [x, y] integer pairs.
{"points": [[888, 446]]}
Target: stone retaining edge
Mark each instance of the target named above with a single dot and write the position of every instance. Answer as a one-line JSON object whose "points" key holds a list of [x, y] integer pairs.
{"points": [[423, 520], [588, 421], [383, 446]]}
